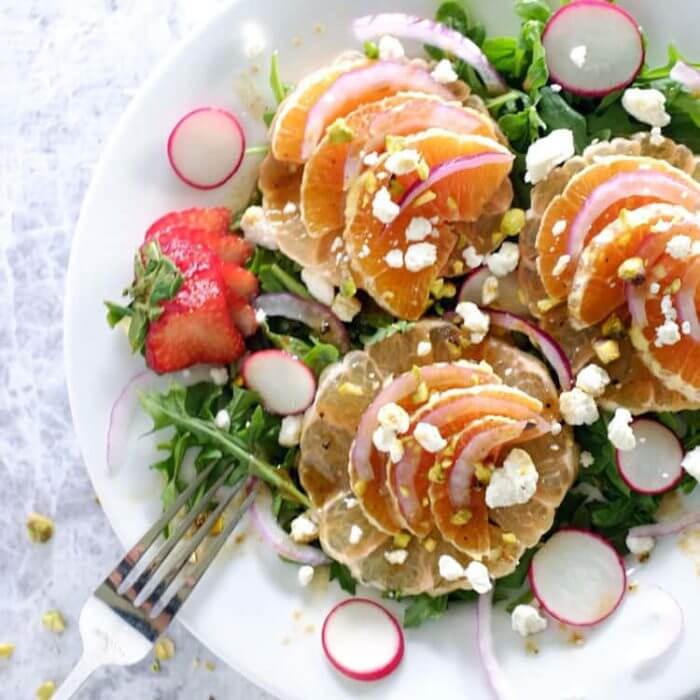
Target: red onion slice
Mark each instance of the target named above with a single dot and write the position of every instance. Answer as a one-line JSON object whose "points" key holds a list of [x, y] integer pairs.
{"points": [[451, 167], [636, 303], [638, 183], [547, 345], [687, 76], [497, 679], [269, 529], [685, 299], [424, 30], [669, 527], [320, 318], [377, 77]]}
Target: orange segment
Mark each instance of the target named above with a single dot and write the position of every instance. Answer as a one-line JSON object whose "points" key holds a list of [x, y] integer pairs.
{"points": [[458, 197], [552, 237]]}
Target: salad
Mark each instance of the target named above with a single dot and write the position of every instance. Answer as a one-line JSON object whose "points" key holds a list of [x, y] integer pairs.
{"points": [[453, 339]]}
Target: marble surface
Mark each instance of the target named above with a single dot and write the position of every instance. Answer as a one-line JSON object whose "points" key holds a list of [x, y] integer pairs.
{"points": [[67, 72]]}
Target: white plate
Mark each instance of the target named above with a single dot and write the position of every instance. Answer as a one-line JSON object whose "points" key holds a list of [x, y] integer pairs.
{"points": [[250, 611]]}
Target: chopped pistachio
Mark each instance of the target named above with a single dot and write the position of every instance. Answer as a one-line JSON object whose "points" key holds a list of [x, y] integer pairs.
{"points": [[6, 650], [429, 544], [436, 287], [370, 182], [40, 528], [348, 288], [340, 132], [423, 169], [155, 666], [46, 690], [350, 389], [210, 666], [421, 394], [513, 222], [461, 517], [454, 351], [436, 474], [483, 473], [394, 144], [451, 203], [426, 197], [238, 381], [449, 291], [613, 327], [545, 305], [607, 350], [674, 287], [631, 270], [531, 647], [403, 491], [457, 267], [396, 189], [164, 649], [495, 553], [217, 527], [371, 50], [497, 237], [53, 621], [509, 538], [360, 487], [401, 540]]}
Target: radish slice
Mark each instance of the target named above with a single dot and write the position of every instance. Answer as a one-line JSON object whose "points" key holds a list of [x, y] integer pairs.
{"points": [[687, 76], [433, 33], [206, 147], [497, 679], [285, 384], [377, 76], [654, 464], [685, 299], [269, 529], [578, 577], [508, 291], [317, 316], [669, 527], [638, 183], [362, 639], [447, 168], [540, 339], [593, 47]]}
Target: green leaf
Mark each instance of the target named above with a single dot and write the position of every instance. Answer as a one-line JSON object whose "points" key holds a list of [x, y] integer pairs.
{"points": [[517, 578], [320, 356], [537, 73], [538, 10], [453, 14], [268, 116], [279, 89], [557, 113], [340, 573], [422, 608], [116, 312]]}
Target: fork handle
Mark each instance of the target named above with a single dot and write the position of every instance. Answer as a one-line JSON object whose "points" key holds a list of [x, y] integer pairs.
{"points": [[80, 673]]}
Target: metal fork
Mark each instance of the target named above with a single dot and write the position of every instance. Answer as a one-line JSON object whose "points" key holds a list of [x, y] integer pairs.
{"points": [[136, 603]]}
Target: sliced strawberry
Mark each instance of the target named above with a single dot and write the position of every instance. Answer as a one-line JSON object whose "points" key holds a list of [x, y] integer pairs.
{"points": [[213, 230], [243, 315], [240, 281], [196, 325]]}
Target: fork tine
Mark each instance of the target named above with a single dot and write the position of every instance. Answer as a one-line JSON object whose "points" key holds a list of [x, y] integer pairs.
{"points": [[135, 587]]}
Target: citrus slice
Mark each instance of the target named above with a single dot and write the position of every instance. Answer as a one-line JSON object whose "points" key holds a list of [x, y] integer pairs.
{"points": [[553, 236], [400, 289]]}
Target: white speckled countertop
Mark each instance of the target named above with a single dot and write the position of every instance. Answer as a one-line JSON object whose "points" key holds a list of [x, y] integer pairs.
{"points": [[67, 72]]}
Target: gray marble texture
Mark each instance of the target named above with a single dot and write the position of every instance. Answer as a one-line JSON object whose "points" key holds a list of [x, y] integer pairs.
{"points": [[68, 68]]}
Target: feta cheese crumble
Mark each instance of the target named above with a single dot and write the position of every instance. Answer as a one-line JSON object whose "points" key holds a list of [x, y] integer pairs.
{"points": [[394, 258], [290, 431], [504, 260], [222, 420], [396, 557], [514, 483], [647, 105], [526, 620], [593, 380], [577, 407], [691, 463], [444, 73], [620, 431], [561, 265], [418, 229], [257, 229], [668, 333], [578, 55], [303, 529], [450, 569], [219, 375], [424, 348], [474, 319], [305, 575], [403, 162], [478, 576], [429, 438], [390, 48], [371, 159], [289, 209], [318, 285], [559, 227], [471, 257], [548, 152], [419, 256], [346, 308], [679, 247], [394, 417], [640, 545], [383, 208], [355, 534], [489, 290]]}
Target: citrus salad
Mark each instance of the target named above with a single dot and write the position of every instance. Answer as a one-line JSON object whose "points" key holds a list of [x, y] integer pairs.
{"points": [[453, 339]]}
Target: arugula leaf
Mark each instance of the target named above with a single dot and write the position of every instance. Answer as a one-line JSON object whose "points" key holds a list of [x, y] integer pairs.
{"points": [[279, 89], [537, 73], [277, 273], [557, 113], [340, 573], [422, 608]]}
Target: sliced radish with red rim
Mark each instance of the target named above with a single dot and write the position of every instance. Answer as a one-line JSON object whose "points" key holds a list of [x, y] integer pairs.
{"points": [[206, 147], [593, 47], [654, 464], [578, 577], [362, 639], [285, 384]]}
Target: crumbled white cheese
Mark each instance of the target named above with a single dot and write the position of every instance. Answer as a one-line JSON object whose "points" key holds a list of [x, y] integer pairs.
{"points": [[289, 209], [548, 152], [489, 290], [679, 247], [620, 431], [556, 428], [346, 308], [655, 136], [586, 459], [383, 438], [662, 226], [475, 320], [305, 575], [514, 483], [668, 333], [355, 534], [555, 87], [396, 557], [654, 287], [647, 105], [561, 265], [526, 620], [318, 285], [424, 348], [403, 162], [394, 258], [429, 438], [559, 227], [303, 529], [383, 208], [478, 576], [257, 229], [471, 257], [578, 55], [260, 316], [219, 375], [450, 569], [419, 256], [371, 159], [577, 407], [350, 502], [640, 545], [418, 229], [396, 451], [685, 328], [504, 260], [691, 463], [444, 72], [290, 431], [222, 420], [593, 379], [394, 417], [390, 48]]}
